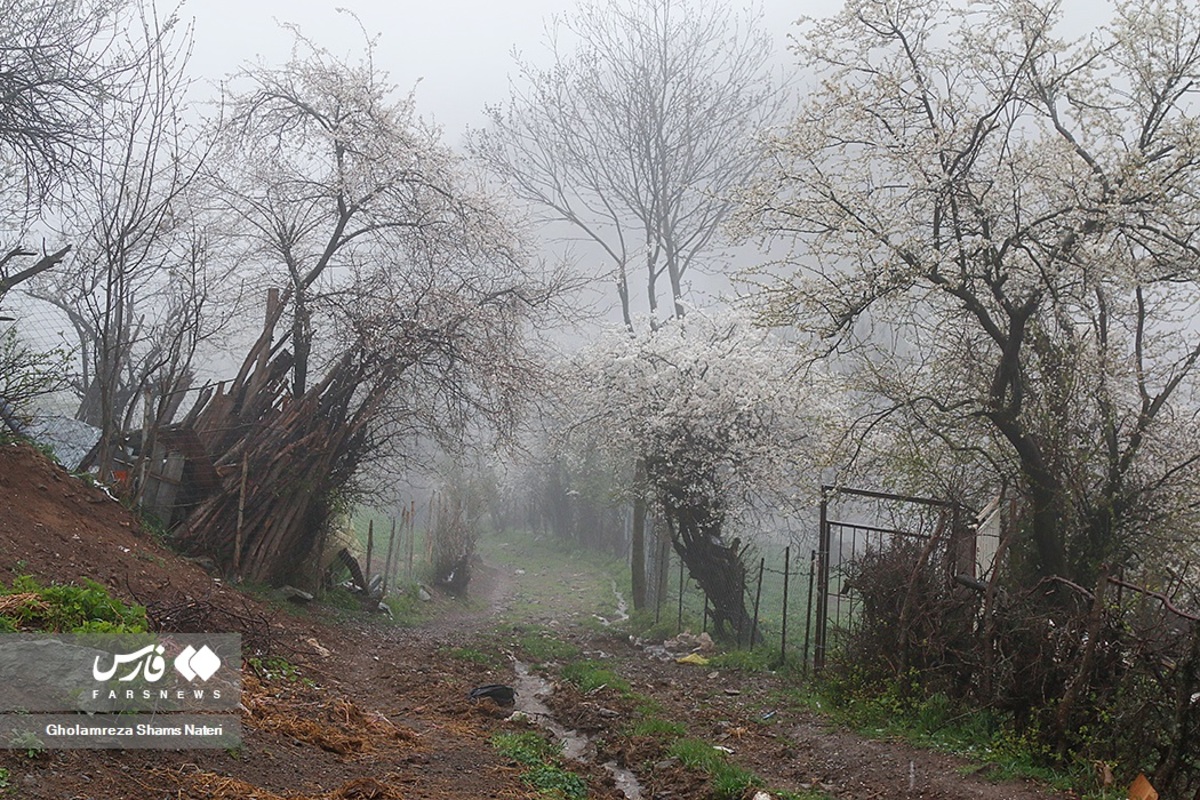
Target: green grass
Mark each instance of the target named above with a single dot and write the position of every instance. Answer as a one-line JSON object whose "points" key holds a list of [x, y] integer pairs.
{"points": [[541, 759], [985, 737], [729, 781], [68, 608], [760, 659], [407, 609], [538, 566], [540, 645], [471, 655], [590, 676], [658, 728]]}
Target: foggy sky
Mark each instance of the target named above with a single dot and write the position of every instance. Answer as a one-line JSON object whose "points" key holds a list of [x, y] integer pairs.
{"points": [[460, 50]]}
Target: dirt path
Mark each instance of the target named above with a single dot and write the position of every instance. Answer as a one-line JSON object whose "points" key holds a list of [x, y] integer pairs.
{"points": [[793, 750]]}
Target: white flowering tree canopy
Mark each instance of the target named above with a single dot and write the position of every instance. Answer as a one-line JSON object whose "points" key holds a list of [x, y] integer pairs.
{"points": [[718, 407]]}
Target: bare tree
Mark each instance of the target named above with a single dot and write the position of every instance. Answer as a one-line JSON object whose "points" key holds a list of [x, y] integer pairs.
{"points": [[57, 69], [407, 300], [1021, 212], [326, 170], [137, 293], [638, 133], [637, 137]]}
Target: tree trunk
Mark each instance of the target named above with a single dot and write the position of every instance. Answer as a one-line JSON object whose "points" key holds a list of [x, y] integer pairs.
{"points": [[695, 527]]}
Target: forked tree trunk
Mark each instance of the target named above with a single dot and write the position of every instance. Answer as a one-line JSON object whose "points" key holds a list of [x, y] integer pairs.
{"points": [[695, 527]]}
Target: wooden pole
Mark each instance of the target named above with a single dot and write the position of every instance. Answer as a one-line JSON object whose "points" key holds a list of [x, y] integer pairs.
{"points": [[387, 563], [241, 518], [370, 547]]}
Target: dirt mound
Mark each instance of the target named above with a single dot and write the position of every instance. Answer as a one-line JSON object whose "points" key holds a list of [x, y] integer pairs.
{"points": [[61, 530]]}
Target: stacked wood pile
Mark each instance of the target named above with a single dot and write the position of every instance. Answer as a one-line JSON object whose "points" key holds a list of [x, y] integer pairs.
{"points": [[279, 458]]}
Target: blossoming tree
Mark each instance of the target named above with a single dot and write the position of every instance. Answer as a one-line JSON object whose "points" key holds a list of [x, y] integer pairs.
{"points": [[723, 414]]}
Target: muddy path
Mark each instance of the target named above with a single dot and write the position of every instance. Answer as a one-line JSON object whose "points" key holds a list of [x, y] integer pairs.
{"points": [[787, 748]]}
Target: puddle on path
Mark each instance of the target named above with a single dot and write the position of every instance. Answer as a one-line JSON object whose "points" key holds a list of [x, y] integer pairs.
{"points": [[576, 746], [622, 608]]}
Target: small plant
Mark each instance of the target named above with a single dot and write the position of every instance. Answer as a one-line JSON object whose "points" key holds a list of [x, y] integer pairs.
{"points": [[68, 608], [406, 609], [472, 656], [5, 779], [729, 781], [153, 525], [543, 770], [590, 676], [29, 742], [658, 728], [273, 667], [541, 646]]}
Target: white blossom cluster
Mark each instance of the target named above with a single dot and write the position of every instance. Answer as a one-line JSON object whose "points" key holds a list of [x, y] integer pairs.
{"points": [[717, 406]]}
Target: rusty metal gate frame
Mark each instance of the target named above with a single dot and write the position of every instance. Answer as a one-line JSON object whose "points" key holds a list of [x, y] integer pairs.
{"points": [[821, 633]]}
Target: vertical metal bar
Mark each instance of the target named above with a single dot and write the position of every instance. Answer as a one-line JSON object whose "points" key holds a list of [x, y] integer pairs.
{"points": [[762, 563], [787, 573], [704, 627], [822, 586], [679, 621], [808, 608]]}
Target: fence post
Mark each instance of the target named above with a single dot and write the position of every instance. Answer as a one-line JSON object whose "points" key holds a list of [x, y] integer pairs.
{"points": [[387, 562], [822, 585], [762, 563], [370, 547], [808, 609], [787, 573], [704, 627], [679, 621], [660, 597]]}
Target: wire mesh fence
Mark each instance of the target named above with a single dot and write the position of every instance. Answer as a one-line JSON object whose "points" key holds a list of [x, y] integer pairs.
{"points": [[779, 588]]}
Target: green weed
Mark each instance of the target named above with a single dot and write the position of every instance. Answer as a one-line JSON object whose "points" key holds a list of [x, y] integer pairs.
{"points": [[472, 656], [590, 676], [729, 781], [67, 608], [540, 645], [899, 711], [541, 760], [658, 728], [274, 667]]}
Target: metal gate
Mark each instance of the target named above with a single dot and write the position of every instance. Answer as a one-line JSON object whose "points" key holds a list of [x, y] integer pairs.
{"points": [[882, 520]]}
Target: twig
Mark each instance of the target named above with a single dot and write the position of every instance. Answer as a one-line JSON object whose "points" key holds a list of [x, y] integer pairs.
{"points": [[1166, 601]]}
